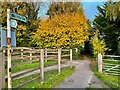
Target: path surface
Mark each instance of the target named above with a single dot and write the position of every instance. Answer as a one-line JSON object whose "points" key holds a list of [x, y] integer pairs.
{"points": [[81, 78], [96, 83]]}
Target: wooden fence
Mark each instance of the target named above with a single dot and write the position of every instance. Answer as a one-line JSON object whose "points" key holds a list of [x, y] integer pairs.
{"points": [[24, 56], [109, 64]]}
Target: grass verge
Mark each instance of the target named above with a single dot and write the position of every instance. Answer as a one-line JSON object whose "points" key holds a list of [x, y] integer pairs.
{"points": [[109, 80], [52, 79], [77, 55], [32, 65]]}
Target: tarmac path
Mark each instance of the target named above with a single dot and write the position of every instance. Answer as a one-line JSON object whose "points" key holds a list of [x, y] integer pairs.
{"points": [[81, 78]]}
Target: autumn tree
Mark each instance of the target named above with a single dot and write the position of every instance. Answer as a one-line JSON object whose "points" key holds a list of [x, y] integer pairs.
{"points": [[62, 31], [58, 8], [24, 30]]}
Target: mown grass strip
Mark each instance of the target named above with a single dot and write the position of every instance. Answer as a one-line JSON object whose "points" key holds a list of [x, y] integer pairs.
{"points": [[51, 79], [109, 80], [31, 65]]}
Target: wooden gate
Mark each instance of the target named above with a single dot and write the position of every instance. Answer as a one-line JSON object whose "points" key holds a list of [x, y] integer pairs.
{"points": [[111, 64]]}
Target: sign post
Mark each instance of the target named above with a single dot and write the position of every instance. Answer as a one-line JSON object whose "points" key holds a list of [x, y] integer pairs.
{"points": [[10, 35], [8, 50]]}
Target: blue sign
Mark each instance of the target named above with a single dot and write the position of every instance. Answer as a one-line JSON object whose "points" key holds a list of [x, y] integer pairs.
{"points": [[13, 23], [4, 37]]}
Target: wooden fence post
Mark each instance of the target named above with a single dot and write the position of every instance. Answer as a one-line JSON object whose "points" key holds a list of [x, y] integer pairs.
{"points": [[42, 65], [76, 50], [2, 69], [45, 55], [12, 50], [30, 54], [59, 59], [1, 72], [99, 62], [71, 55], [22, 53]]}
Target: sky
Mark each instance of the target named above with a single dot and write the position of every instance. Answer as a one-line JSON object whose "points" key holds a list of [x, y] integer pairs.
{"points": [[43, 10], [90, 9]]}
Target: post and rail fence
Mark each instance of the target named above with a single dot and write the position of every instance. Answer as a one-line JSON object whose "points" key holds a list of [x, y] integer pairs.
{"points": [[24, 55]]}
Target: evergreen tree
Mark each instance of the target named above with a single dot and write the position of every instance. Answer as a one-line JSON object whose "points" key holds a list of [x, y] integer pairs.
{"points": [[109, 29], [113, 10]]}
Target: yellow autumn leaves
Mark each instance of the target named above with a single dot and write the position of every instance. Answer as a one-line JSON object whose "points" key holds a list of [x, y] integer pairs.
{"points": [[99, 45], [62, 31]]}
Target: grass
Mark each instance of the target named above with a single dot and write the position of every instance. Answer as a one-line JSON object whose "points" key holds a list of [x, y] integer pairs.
{"points": [[18, 61], [51, 79], [112, 62], [32, 65], [109, 80], [77, 55]]}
